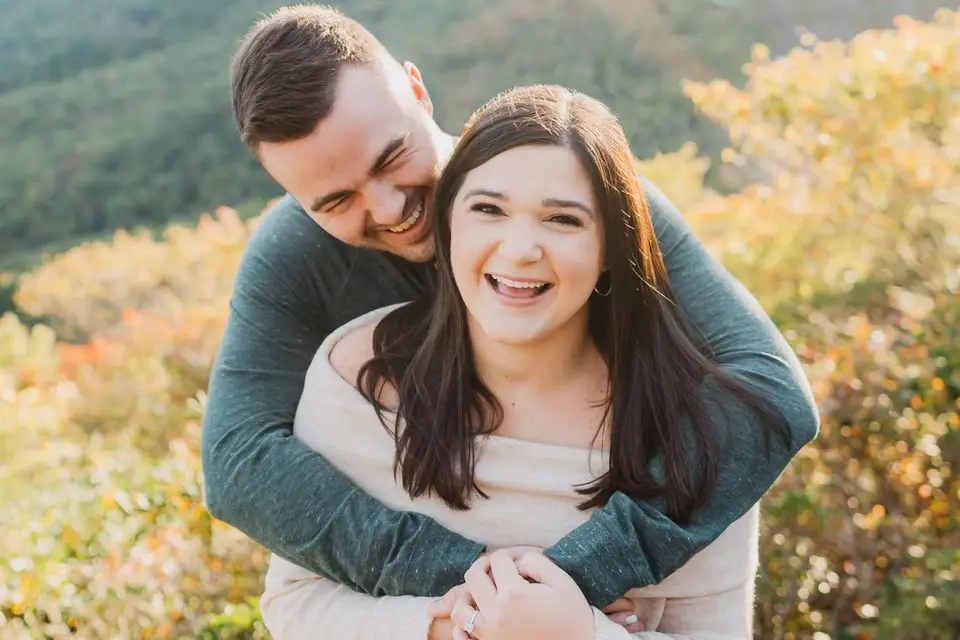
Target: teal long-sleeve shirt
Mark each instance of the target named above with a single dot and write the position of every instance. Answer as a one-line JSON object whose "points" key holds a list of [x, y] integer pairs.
{"points": [[296, 284]]}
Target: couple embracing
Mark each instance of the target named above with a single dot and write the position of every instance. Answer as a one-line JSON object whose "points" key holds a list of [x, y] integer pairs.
{"points": [[487, 386]]}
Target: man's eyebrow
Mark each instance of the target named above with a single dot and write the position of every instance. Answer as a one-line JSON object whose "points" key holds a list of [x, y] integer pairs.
{"points": [[376, 167], [320, 203], [388, 151]]}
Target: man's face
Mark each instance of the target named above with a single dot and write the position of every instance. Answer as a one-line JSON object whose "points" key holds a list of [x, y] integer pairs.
{"points": [[366, 173]]}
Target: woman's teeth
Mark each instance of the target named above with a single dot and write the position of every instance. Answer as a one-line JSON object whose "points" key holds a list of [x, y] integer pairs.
{"points": [[517, 287], [517, 284], [409, 222]]}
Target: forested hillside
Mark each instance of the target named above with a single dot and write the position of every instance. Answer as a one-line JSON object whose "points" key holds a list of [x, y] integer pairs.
{"points": [[117, 114]]}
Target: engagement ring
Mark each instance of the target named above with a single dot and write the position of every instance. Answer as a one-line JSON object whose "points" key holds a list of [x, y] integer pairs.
{"points": [[468, 628]]}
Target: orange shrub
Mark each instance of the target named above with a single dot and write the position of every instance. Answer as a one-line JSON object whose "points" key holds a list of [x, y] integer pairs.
{"points": [[85, 290]]}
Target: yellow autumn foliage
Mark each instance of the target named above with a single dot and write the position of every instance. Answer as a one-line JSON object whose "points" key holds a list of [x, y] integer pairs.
{"points": [[861, 145]]}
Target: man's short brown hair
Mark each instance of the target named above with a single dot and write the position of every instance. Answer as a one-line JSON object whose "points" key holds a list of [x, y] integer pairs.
{"points": [[283, 77]]}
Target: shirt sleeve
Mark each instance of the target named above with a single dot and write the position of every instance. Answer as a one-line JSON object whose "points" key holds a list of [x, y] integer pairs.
{"points": [[270, 485], [632, 543], [300, 605]]}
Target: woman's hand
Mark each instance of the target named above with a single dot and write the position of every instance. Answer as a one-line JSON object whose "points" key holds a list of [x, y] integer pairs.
{"points": [[442, 627], [517, 600]]}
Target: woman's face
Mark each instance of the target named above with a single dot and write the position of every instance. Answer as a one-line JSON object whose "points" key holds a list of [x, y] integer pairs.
{"points": [[526, 243]]}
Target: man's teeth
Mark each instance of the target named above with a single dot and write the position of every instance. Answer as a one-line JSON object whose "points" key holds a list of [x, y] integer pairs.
{"points": [[516, 284], [409, 222]]}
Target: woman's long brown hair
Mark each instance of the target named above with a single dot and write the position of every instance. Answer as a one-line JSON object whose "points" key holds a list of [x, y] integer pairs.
{"points": [[659, 381]]}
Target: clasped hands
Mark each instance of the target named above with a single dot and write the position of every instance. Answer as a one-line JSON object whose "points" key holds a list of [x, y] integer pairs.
{"points": [[516, 594]]}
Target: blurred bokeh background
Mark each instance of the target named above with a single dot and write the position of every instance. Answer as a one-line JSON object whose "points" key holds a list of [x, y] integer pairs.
{"points": [[815, 147]]}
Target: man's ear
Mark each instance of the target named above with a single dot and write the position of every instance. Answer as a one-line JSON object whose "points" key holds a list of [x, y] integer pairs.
{"points": [[419, 88]]}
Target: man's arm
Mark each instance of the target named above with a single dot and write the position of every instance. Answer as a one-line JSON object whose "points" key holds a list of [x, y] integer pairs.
{"points": [[632, 543], [268, 484]]}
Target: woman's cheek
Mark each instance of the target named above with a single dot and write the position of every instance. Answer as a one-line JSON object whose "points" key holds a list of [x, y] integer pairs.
{"points": [[579, 257]]}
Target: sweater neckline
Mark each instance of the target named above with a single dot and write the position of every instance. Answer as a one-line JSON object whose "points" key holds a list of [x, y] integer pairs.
{"points": [[334, 378]]}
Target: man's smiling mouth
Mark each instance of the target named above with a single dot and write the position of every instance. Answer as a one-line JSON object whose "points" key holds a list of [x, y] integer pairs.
{"points": [[410, 220]]}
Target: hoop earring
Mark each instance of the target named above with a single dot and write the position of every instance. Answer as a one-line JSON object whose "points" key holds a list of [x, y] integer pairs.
{"points": [[603, 294]]}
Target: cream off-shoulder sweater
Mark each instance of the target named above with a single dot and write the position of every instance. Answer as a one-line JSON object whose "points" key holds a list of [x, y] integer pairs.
{"points": [[531, 502]]}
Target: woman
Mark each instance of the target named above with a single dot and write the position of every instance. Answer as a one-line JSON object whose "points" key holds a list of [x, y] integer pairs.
{"points": [[550, 369]]}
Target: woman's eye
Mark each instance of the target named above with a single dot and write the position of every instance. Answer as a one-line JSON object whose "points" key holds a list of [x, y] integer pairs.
{"points": [[487, 209], [567, 220]]}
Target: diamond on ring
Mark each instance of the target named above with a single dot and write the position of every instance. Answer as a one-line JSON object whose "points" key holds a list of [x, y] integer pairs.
{"points": [[468, 628]]}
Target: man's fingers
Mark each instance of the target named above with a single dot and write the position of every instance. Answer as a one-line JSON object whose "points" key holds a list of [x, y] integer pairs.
{"points": [[623, 613], [628, 620], [622, 604]]}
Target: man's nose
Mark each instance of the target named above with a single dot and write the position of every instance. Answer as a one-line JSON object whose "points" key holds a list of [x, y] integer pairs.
{"points": [[385, 202]]}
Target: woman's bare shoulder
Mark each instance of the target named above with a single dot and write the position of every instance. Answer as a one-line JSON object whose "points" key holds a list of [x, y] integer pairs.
{"points": [[352, 351]]}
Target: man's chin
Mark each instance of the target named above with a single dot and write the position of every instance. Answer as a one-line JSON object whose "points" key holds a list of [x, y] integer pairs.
{"points": [[422, 251]]}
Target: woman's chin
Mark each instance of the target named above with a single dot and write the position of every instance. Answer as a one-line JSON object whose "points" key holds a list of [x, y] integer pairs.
{"points": [[512, 334], [509, 328], [513, 340], [517, 333]]}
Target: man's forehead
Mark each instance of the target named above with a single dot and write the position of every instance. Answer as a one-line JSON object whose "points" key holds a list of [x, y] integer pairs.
{"points": [[345, 151], [364, 97], [357, 130]]}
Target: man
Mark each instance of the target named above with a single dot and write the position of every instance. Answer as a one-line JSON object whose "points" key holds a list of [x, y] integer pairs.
{"points": [[349, 133]]}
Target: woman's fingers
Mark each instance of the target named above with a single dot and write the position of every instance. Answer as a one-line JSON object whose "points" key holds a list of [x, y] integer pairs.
{"points": [[441, 608], [518, 552], [505, 572], [480, 585], [467, 619], [540, 568]]}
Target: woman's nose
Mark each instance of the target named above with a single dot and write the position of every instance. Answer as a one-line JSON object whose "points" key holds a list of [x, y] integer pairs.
{"points": [[520, 244]]}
